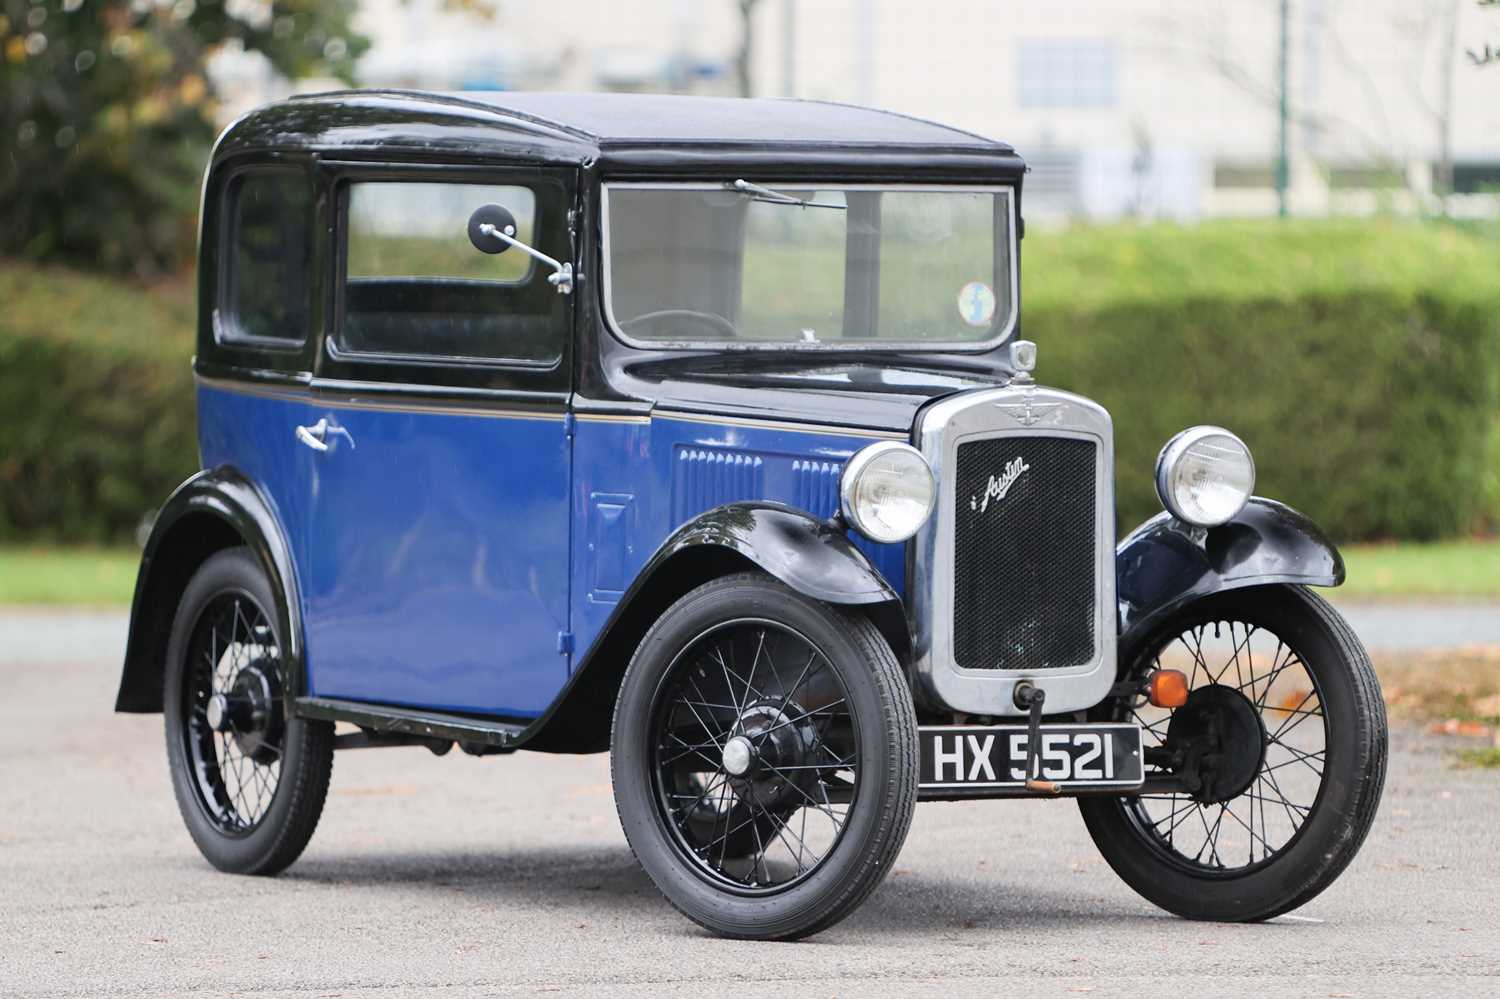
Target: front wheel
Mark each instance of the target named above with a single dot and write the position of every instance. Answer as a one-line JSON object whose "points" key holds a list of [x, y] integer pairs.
{"points": [[1280, 749], [764, 758]]}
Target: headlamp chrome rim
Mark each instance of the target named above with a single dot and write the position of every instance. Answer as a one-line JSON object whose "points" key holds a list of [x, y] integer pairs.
{"points": [[849, 482], [1172, 453]]}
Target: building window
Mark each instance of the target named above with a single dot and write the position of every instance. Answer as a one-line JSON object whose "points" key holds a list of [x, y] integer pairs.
{"points": [[1066, 72], [1476, 178], [1244, 176]]}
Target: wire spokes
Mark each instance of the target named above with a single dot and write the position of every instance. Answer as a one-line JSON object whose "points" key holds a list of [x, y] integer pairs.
{"points": [[233, 660], [759, 694], [1261, 820]]}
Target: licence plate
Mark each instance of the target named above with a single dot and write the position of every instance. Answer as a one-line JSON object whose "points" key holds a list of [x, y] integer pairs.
{"points": [[1074, 756]]}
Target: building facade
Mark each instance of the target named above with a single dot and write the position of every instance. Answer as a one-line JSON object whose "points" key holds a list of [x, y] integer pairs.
{"points": [[1159, 109]]}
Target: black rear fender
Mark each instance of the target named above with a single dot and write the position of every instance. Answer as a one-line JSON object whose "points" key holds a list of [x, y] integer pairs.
{"points": [[215, 509]]}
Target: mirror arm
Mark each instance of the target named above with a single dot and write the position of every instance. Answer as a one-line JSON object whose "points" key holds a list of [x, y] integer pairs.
{"points": [[562, 274]]}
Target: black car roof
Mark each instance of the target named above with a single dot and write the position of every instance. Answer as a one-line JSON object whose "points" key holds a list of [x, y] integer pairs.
{"points": [[632, 119], [625, 133]]}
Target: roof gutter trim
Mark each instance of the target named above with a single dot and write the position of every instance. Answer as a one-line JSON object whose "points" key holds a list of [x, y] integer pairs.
{"points": [[449, 100]]}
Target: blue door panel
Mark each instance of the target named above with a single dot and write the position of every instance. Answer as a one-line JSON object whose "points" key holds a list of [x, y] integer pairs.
{"points": [[437, 565], [637, 482], [256, 433]]}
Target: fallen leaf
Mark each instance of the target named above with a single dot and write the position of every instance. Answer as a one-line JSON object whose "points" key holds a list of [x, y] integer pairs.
{"points": [[1489, 707], [1453, 726], [1293, 700]]}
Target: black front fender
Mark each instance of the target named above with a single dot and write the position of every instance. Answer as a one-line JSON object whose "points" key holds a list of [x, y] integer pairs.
{"points": [[216, 509], [1166, 564], [811, 556]]}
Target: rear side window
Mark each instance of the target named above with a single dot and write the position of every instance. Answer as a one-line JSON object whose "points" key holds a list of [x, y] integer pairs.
{"points": [[266, 292], [414, 286]]}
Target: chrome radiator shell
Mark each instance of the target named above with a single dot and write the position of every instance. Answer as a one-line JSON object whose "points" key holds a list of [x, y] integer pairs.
{"points": [[1014, 411]]}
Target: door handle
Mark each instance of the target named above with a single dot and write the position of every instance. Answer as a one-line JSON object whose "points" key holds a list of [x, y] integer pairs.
{"points": [[315, 436]]}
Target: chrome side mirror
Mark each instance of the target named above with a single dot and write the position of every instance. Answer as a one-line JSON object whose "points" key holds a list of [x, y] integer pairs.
{"points": [[492, 229]]}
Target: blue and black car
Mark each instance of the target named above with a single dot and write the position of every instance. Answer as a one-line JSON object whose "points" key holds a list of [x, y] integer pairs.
{"points": [[701, 432]]}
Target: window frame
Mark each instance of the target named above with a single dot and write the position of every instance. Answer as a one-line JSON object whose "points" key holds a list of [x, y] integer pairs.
{"points": [[537, 180], [226, 329], [1004, 330]]}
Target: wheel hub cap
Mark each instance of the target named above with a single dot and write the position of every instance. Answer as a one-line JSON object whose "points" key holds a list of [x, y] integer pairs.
{"points": [[217, 712], [250, 711], [738, 755], [1220, 726]]}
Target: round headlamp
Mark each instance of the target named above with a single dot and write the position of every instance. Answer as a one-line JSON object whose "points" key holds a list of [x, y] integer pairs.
{"points": [[1204, 476], [887, 491]]}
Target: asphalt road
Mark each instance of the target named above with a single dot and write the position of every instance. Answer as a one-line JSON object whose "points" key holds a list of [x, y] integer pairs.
{"points": [[509, 876]]}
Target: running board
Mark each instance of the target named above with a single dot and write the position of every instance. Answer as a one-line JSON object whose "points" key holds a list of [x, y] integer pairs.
{"points": [[381, 718]]}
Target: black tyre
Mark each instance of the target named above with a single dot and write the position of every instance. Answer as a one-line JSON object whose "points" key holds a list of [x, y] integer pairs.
{"points": [[249, 782], [1284, 734], [764, 758]]}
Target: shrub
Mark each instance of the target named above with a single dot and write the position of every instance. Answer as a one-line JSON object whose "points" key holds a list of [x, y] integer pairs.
{"points": [[96, 404], [1360, 361]]}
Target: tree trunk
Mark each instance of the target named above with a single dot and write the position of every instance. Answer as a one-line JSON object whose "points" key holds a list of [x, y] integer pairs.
{"points": [[1443, 181], [747, 47]]}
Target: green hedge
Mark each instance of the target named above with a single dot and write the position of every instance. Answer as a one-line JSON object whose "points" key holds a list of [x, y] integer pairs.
{"points": [[96, 404], [1360, 361]]}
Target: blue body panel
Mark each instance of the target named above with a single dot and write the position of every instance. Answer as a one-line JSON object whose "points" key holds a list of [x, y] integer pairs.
{"points": [[454, 559], [256, 434], [635, 482]]}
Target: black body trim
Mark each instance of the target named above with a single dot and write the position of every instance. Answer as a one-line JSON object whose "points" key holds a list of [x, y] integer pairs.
{"points": [[1165, 564], [410, 721], [215, 509]]}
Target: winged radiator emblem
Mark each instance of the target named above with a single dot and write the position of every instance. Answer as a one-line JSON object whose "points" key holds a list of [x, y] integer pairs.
{"points": [[1028, 412]]}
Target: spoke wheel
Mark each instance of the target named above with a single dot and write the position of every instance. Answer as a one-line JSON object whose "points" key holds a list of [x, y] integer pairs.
{"points": [[1280, 750], [250, 783], [764, 758], [233, 708], [757, 755], [1253, 733]]}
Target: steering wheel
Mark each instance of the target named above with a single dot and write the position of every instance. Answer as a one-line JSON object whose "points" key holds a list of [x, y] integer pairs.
{"points": [[724, 329]]}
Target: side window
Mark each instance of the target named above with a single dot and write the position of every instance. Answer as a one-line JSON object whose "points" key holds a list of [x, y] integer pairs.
{"points": [[265, 292], [414, 286]]}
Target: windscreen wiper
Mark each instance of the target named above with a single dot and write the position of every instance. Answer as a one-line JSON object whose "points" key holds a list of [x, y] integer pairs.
{"points": [[770, 197]]}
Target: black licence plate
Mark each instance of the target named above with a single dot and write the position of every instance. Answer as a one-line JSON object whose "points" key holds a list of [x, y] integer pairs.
{"points": [[994, 756]]}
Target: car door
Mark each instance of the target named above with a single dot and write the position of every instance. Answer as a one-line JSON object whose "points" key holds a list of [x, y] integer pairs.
{"points": [[437, 537]]}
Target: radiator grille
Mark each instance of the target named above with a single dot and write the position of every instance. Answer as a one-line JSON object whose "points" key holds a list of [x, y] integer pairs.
{"points": [[1024, 562]]}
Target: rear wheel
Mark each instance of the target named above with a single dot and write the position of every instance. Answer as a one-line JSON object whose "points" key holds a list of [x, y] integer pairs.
{"points": [[1281, 747], [764, 758], [250, 783]]}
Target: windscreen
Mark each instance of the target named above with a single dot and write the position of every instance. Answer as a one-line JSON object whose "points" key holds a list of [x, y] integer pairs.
{"points": [[743, 264]]}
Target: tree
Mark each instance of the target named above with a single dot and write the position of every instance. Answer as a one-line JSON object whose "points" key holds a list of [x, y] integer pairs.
{"points": [[106, 110], [746, 52]]}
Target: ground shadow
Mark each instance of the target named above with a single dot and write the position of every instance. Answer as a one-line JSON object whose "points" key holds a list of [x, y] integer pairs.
{"points": [[607, 880]]}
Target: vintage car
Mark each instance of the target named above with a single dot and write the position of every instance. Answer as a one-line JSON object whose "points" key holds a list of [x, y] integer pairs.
{"points": [[699, 431]]}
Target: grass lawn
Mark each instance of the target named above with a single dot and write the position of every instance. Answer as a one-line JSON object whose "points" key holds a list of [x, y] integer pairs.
{"points": [[82, 576], [1448, 570]]}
